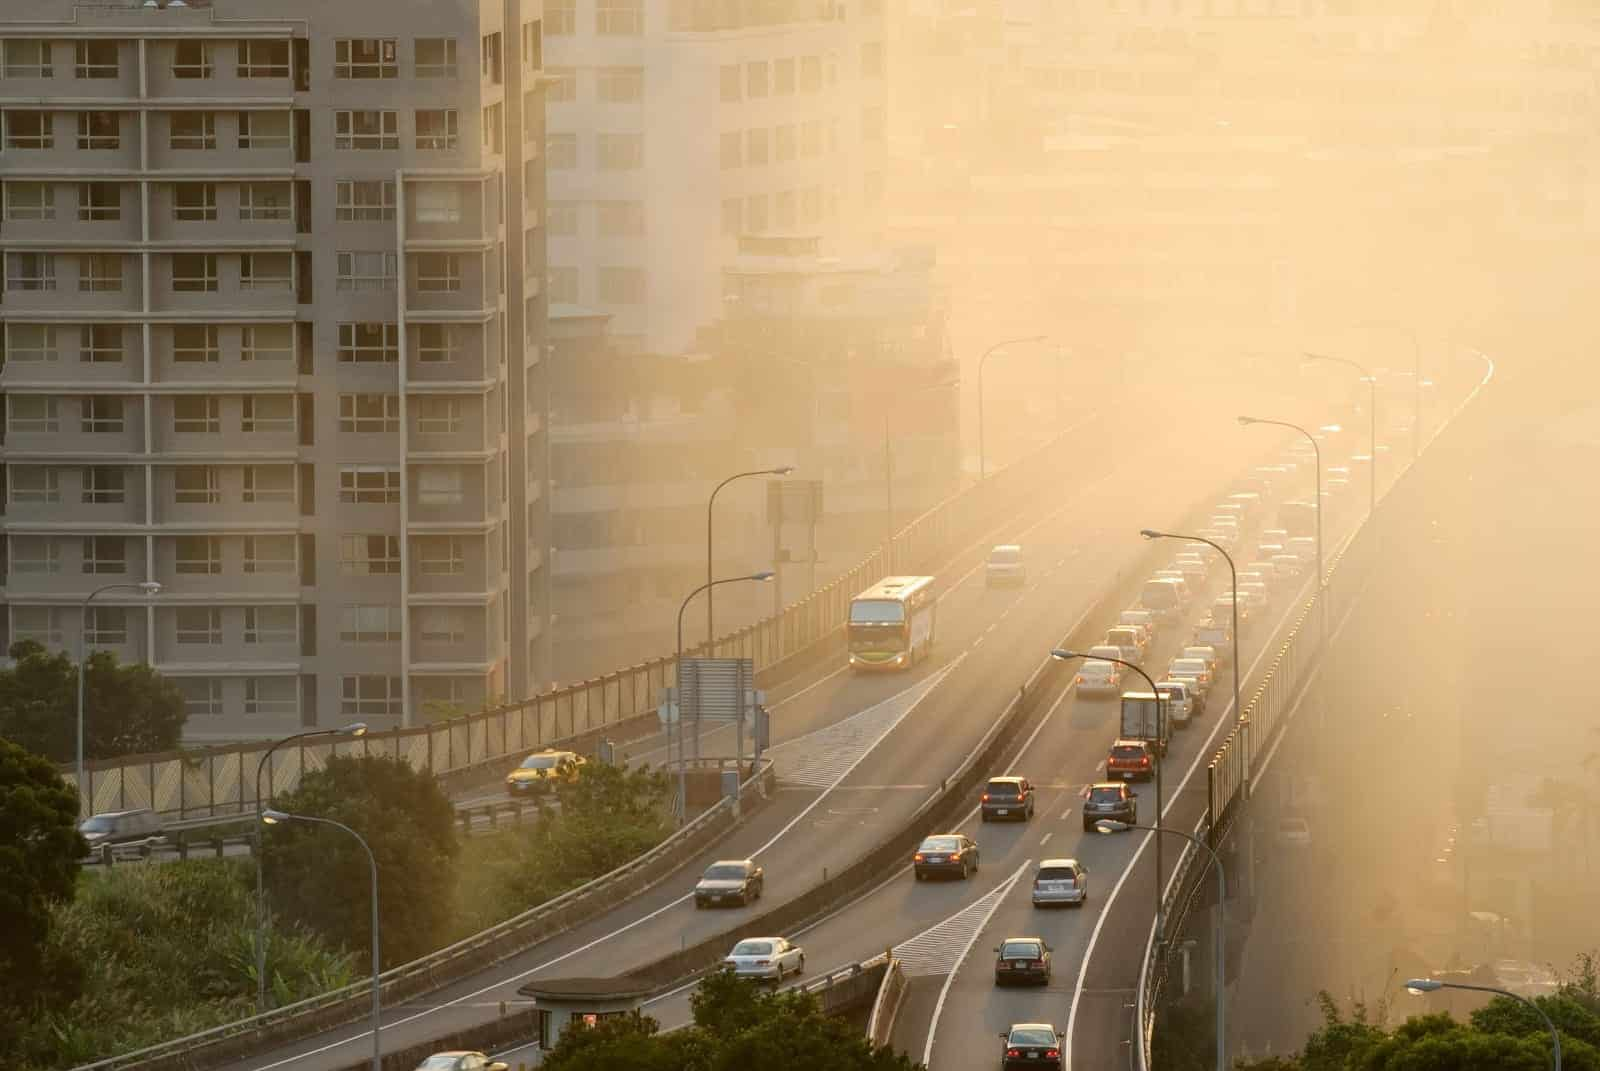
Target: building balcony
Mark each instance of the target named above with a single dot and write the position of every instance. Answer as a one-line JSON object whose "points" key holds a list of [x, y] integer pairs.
{"points": [[207, 283], [53, 145], [222, 214], [69, 439], [111, 495], [71, 285], [104, 212], [73, 363], [179, 142], [61, 577]]}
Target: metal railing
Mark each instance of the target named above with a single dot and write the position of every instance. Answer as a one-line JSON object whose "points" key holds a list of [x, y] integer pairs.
{"points": [[221, 780]]}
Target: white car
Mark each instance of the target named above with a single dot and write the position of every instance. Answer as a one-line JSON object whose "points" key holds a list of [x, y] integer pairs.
{"points": [[1225, 536], [1193, 670], [1194, 569], [1279, 536], [1288, 565], [1267, 551], [766, 957], [1107, 652], [1140, 619], [1005, 566], [1303, 547], [1095, 677], [1204, 653], [1255, 593], [1180, 702], [1129, 640], [1294, 831]]}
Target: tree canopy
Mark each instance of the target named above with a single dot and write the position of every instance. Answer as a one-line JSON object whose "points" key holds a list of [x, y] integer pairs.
{"points": [[319, 877], [128, 709]]}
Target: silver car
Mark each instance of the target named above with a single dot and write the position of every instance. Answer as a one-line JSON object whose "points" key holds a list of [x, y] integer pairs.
{"points": [[1180, 701], [1005, 566], [766, 957], [1060, 881]]}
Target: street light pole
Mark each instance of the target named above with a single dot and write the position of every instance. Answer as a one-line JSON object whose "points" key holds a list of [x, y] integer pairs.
{"points": [[148, 587], [1151, 533], [1419, 986], [983, 466], [270, 818], [781, 470], [1112, 826], [1372, 434], [1161, 723], [356, 729], [683, 781]]}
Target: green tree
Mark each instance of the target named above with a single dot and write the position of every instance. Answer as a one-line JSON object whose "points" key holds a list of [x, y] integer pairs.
{"points": [[39, 851], [128, 709], [319, 877]]}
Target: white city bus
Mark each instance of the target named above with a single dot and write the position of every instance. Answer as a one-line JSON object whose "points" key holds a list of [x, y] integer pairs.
{"points": [[891, 623]]}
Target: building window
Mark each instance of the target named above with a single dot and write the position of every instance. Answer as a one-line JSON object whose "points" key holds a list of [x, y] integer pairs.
{"points": [[99, 130], [262, 202], [194, 273], [620, 85], [34, 412], [197, 414], [783, 145], [442, 624], [369, 555], [266, 413], [619, 152], [440, 487], [438, 272], [263, 59], [490, 127], [35, 484], [271, 695], [369, 484], [94, 59], [619, 17], [364, 201], [366, 413], [197, 555], [104, 485], [42, 624], [436, 128], [489, 58], [560, 17], [370, 696], [269, 554], [366, 130], [561, 152], [28, 59], [755, 147], [194, 201], [437, 343], [198, 625], [440, 555], [755, 214], [202, 696], [810, 74], [811, 205], [99, 201], [105, 555], [783, 77], [35, 555], [561, 219], [755, 78], [266, 342], [620, 219], [369, 343], [811, 138], [264, 130], [437, 203], [100, 344], [731, 77], [100, 272], [367, 270], [196, 485], [732, 150], [562, 284], [783, 209], [30, 271], [438, 416], [563, 85], [101, 415], [266, 271], [31, 342], [32, 130], [107, 626], [191, 59], [192, 130], [365, 57], [369, 624], [621, 286], [195, 343], [268, 483], [29, 201], [436, 57], [732, 217]]}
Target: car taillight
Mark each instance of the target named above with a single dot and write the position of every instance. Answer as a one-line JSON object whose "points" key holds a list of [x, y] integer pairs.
{"points": [[1145, 761], [1052, 1054], [986, 797], [917, 858], [1079, 679], [1013, 1053]]}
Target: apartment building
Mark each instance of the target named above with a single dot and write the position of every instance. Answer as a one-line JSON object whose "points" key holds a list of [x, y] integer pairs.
{"points": [[273, 325], [675, 126]]}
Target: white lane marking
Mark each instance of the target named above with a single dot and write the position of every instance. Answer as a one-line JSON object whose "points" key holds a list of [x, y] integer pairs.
{"points": [[994, 898], [1066, 814], [814, 684], [926, 684], [1045, 839]]}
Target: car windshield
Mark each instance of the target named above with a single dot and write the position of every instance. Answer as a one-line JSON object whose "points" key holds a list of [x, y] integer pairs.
{"points": [[876, 612], [1002, 788], [540, 762], [1031, 1036], [1109, 794], [438, 1063], [1127, 751], [1056, 873], [1189, 665], [1020, 950], [1004, 556], [1098, 668], [725, 873], [753, 948], [940, 844], [98, 824]]}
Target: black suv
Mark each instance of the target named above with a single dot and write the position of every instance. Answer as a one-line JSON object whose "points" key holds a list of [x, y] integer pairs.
{"points": [[1007, 797], [1110, 799]]}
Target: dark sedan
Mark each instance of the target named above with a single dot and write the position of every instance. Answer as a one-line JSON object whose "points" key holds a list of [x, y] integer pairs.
{"points": [[729, 881], [1110, 799], [1031, 1045], [948, 853], [1022, 959]]}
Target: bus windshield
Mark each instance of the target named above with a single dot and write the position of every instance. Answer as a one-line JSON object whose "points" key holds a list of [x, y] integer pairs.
{"points": [[877, 612]]}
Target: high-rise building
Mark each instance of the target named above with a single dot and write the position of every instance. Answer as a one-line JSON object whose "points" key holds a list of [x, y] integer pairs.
{"points": [[676, 126], [273, 323]]}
